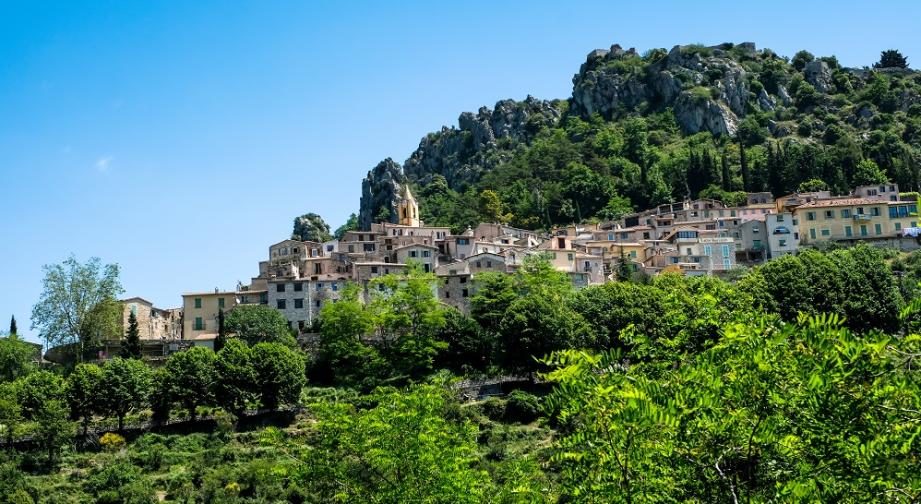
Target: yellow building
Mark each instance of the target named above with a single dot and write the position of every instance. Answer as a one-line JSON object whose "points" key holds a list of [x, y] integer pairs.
{"points": [[200, 314], [853, 219], [407, 209]]}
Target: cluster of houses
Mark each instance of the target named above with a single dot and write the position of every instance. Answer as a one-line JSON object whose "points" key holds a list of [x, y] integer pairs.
{"points": [[696, 237]]}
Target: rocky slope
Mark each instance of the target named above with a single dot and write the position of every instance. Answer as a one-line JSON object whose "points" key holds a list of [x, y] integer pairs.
{"points": [[733, 92]]}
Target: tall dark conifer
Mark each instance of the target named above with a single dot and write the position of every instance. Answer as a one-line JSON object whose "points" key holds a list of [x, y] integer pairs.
{"points": [[746, 175], [131, 346], [13, 327], [726, 175], [221, 336]]}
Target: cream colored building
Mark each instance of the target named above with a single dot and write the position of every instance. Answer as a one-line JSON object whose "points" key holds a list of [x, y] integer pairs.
{"points": [[200, 314], [853, 219], [153, 323]]}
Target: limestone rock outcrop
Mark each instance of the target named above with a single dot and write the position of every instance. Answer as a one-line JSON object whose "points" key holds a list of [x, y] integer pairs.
{"points": [[380, 191]]}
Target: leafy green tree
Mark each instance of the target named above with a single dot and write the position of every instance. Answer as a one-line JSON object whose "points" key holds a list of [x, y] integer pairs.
{"points": [[310, 227], [615, 208], [490, 207], [812, 185], [495, 292], [401, 450], [10, 412], [801, 58], [279, 374], [408, 315], [536, 325], [161, 397], [102, 323], [53, 429], [870, 298], [191, 378], [70, 290], [468, 346], [36, 389], [343, 356], [891, 58], [16, 358], [868, 173], [124, 387], [131, 345], [350, 225], [234, 377], [84, 393], [259, 323]]}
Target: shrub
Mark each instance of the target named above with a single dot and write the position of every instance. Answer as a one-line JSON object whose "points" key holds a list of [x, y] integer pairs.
{"points": [[522, 407], [111, 441], [494, 409]]}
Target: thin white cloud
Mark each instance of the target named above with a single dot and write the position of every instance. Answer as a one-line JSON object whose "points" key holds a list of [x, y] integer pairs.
{"points": [[102, 164]]}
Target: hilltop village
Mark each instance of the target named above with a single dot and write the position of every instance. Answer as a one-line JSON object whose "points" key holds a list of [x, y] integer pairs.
{"points": [[694, 237]]}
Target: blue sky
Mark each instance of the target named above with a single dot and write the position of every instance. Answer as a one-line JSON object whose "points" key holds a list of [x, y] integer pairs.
{"points": [[180, 139]]}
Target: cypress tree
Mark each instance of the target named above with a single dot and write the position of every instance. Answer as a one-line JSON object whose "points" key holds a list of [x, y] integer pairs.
{"points": [[13, 327], [221, 337], [727, 177], [746, 176], [131, 346]]}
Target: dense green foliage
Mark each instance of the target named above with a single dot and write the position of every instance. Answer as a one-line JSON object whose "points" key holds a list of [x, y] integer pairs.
{"points": [[675, 389], [258, 323], [310, 227], [579, 168]]}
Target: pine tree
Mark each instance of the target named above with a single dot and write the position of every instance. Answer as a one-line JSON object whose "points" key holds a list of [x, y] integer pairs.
{"points": [[221, 337], [131, 346], [727, 177], [13, 327]]}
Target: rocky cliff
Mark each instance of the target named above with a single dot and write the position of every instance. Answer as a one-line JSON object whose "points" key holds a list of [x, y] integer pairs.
{"points": [[774, 105]]}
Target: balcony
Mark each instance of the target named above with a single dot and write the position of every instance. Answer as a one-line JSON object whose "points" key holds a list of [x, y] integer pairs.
{"points": [[862, 217]]}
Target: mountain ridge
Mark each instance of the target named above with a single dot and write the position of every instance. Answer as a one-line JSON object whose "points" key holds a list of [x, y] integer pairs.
{"points": [[639, 130]]}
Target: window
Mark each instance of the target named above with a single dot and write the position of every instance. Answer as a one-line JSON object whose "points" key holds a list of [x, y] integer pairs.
{"points": [[426, 253], [569, 257], [812, 233], [300, 325], [199, 324], [810, 215], [298, 287], [298, 304], [413, 253], [198, 302], [463, 241], [893, 212], [848, 232], [610, 236], [447, 294], [373, 269], [829, 214], [878, 228], [319, 286], [462, 280], [279, 287], [317, 303], [756, 229], [782, 242], [874, 211], [220, 302], [134, 310], [846, 213], [898, 226], [489, 264], [280, 304], [427, 267], [689, 251], [351, 248], [465, 293], [708, 250], [726, 263], [756, 244], [725, 250], [335, 286], [826, 232], [780, 218], [863, 230]]}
